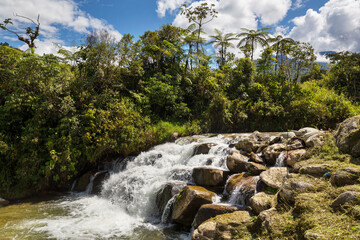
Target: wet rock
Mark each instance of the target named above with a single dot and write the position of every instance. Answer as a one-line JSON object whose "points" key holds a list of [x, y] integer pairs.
{"points": [[209, 161], [261, 202], [98, 180], [190, 199], [225, 227], [208, 211], [344, 177], [347, 136], [276, 139], [255, 158], [293, 187], [204, 148], [236, 162], [243, 180], [274, 177], [352, 198], [83, 182], [295, 156], [315, 170], [3, 202], [174, 136], [209, 176], [166, 192], [272, 152]]}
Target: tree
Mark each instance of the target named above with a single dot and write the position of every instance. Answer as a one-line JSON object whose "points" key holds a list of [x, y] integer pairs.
{"points": [[31, 33], [252, 38], [200, 15], [279, 43], [222, 41]]}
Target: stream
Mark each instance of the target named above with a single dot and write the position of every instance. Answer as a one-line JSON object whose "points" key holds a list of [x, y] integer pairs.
{"points": [[126, 207]]}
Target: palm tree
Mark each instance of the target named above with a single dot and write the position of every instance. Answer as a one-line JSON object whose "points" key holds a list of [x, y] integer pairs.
{"points": [[279, 44], [190, 38], [252, 38], [222, 41]]}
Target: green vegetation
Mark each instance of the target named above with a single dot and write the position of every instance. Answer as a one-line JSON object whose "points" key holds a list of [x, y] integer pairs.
{"points": [[60, 116]]}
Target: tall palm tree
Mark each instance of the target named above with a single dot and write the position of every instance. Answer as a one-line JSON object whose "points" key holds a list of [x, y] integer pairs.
{"points": [[189, 36], [252, 38], [279, 43], [222, 41]]}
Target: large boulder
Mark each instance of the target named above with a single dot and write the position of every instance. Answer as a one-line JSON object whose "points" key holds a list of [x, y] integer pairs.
{"points": [[225, 227], [295, 143], [241, 188], [98, 180], [239, 163], [272, 152], [203, 148], [254, 143], [292, 188], [236, 162], [274, 177], [3, 202], [208, 211], [345, 198], [348, 176], [269, 221], [190, 199], [261, 202], [166, 192], [295, 156], [315, 139], [347, 136], [209, 176], [306, 130]]}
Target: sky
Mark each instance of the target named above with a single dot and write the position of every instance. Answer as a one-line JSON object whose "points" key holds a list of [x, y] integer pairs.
{"points": [[328, 25]]}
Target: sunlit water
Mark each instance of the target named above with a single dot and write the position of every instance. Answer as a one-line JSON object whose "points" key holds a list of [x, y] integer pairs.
{"points": [[126, 208]]}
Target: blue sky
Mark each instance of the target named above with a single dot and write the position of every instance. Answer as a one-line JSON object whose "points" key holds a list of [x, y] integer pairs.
{"points": [[326, 24]]}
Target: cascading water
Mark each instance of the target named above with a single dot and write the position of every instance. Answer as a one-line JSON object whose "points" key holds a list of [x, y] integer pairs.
{"points": [[126, 208]]}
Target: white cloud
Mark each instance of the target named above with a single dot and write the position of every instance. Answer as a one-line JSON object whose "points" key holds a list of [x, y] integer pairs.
{"points": [[53, 15], [164, 6], [298, 4], [335, 27]]}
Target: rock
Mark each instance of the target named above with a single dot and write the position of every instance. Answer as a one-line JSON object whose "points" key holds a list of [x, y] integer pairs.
{"points": [[254, 168], [255, 158], [174, 136], [190, 199], [204, 148], [315, 139], [293, 187], [274, 177], [276, 139], [225, 227], [312, 235], [236, 162], [3, 202], [315, 170], [166, 192], [272, 152], [209, 176], [208, 211], [352, 198], [287, 135], [209, 161], [261, 202], [243, 180], [301, 132], [344, 177], [295, 156], [347, 136], [83, 182], [295, 144], [255, 142], [98, 180], [268, 220]]}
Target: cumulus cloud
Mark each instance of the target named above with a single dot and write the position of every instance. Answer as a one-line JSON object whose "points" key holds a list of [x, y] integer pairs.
{"points": [[164, 6], [53, 15], [335, 27]]}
